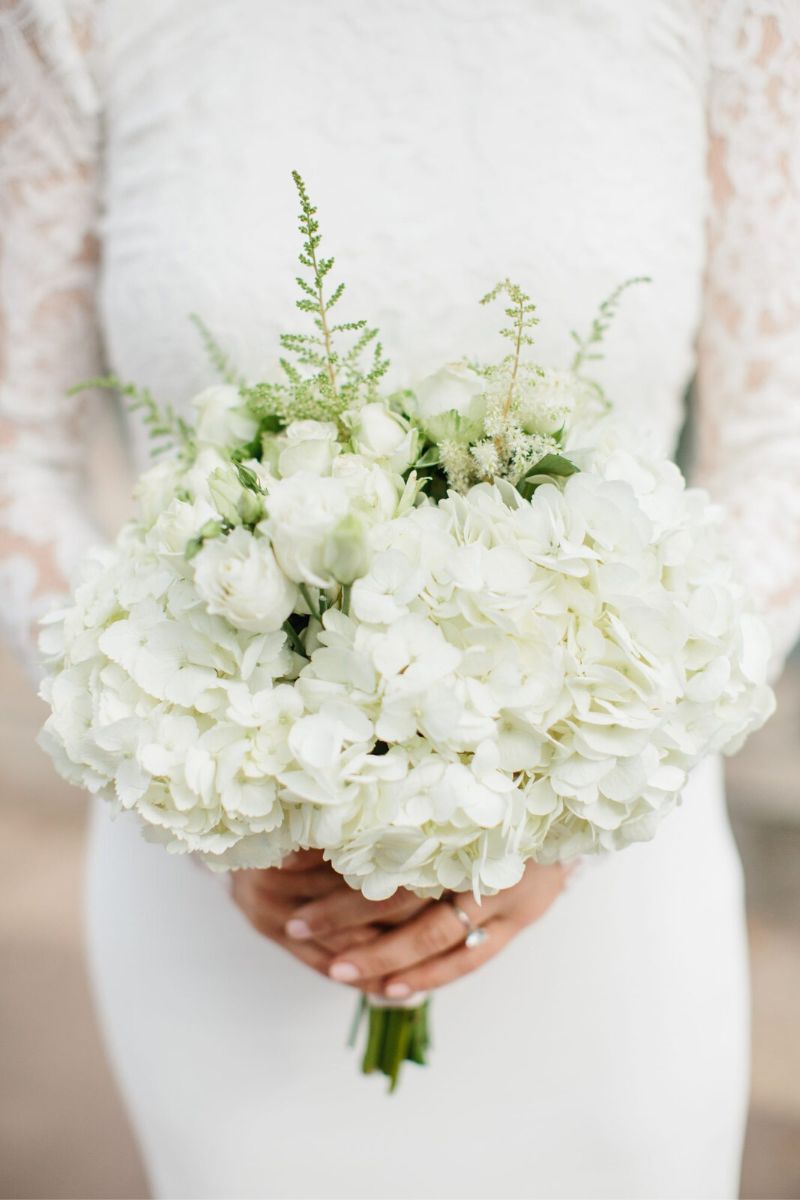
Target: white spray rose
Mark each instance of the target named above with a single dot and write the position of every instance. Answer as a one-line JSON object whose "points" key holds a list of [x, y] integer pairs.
{"points": [[373, 493], [450, 404], [309, 446], [239, 579], [302, 512], [380, 435], [222, 418]]}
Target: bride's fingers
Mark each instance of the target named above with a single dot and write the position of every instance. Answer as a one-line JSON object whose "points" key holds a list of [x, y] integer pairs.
{"points": [[298, 885], [313, 956], [450, 966], [302, 860], [345, 909], [434, 931], [268, 914], [360, 935]]}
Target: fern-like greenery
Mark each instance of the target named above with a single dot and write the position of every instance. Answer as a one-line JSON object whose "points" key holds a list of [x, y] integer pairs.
{"points": [[166, 428], [587, 345], [521, 314], [217, 356], [323, 374]]}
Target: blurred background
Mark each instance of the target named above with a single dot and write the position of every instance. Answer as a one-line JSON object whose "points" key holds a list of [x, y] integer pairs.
{"points": [[63, 1132]]}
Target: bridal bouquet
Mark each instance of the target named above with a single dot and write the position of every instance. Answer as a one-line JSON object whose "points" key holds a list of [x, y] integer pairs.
{"points": [[435, 633]]}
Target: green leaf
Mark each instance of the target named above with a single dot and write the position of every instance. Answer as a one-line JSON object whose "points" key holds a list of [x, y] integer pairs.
{"points": [[211, 529], [552, 464], [431, 458]]}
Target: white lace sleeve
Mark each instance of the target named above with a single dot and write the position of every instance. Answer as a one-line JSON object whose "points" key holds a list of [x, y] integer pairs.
{"points": [[49, 341], [749, 351]]}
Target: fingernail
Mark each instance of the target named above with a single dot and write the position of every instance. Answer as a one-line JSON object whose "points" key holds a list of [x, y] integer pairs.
{"points": [[344, 972], [397, 991], [297, 928]]}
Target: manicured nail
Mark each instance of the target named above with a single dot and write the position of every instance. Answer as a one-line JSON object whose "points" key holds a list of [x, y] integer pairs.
{"points": [[397, 991], [344, 972], [297, 928]]}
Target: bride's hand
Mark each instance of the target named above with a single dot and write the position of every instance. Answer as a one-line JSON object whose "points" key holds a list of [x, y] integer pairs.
{"points": [[428, 949], [275, 900]]}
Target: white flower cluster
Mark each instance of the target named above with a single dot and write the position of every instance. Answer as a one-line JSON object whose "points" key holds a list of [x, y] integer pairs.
{"points": [[542, 676], [431, 693]]}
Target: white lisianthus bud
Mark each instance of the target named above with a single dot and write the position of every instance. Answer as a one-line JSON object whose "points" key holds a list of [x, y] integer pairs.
{"points": [[302, 512], [450, 404], [239, 579], [346, 556], [310, 446], [381, 435], [222, 418], [233, 502]]}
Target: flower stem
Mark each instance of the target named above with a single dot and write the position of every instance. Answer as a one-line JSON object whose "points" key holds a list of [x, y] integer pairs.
{"points": [[294, 638], [394, 1036], [312, 607]]}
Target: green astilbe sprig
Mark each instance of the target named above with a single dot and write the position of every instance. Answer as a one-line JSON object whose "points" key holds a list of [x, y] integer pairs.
{"points": [[517, 443], [167, 429], [323, 375], [508, 449], [588, 344], [217, 356]]}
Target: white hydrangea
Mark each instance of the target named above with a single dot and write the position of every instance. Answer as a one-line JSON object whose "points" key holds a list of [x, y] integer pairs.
{"points": [[552, 670]]}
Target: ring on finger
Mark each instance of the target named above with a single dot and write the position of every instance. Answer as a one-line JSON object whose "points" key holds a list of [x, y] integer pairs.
{"points": [[475, 935]]}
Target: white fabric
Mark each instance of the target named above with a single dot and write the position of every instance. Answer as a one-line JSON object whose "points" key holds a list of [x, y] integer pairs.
{"points": [[447, 143]]}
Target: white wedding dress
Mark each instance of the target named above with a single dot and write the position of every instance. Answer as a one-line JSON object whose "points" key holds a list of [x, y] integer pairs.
{"points": [[569, 144]]}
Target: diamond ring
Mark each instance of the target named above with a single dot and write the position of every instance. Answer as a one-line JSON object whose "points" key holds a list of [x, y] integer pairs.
{"points": [[476, 934]]}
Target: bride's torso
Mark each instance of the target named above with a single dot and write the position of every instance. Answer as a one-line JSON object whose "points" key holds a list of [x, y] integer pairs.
{"points": [[447, 143]]}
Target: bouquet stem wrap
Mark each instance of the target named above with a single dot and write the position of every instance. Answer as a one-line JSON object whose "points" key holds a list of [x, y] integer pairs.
{"points": [[396, 1033]]}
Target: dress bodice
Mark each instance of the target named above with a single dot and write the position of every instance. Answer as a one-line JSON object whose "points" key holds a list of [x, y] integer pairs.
{"points": [[446, 144], [569, 144]]}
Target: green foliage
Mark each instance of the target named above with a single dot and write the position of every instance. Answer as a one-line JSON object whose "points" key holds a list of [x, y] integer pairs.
{"points": [[520, 313], [166, 428], [211, 529], [549, 465], [216, 354], [430, 458], [323, 369], [248, 479], [588, 343]]}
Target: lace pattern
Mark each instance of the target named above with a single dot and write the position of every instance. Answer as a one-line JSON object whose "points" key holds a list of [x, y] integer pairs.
{"points": [[749, 346], [49, 338]]}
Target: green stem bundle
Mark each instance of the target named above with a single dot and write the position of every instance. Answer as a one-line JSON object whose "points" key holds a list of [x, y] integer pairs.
{"points": [[394, 1036]]}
